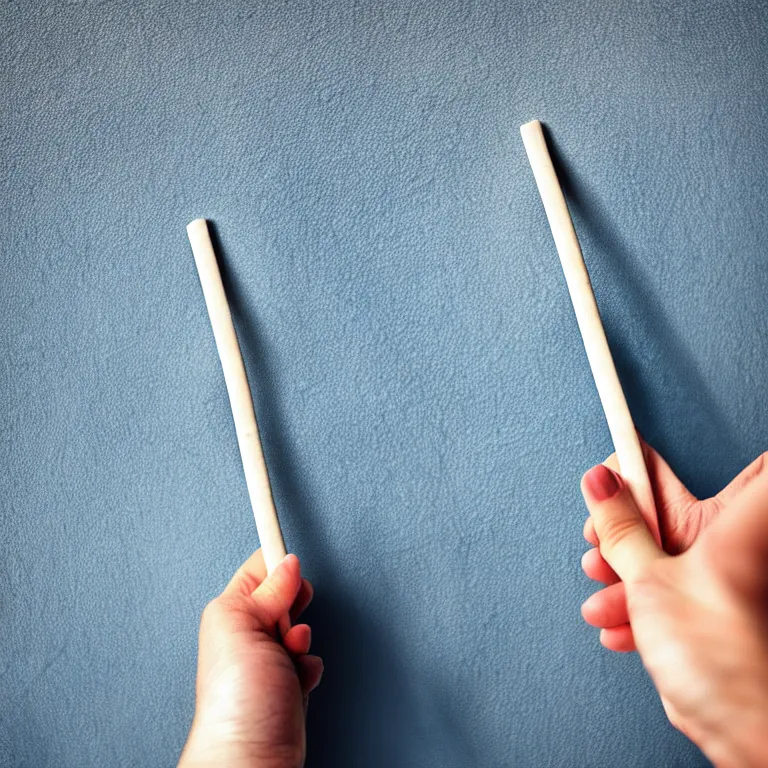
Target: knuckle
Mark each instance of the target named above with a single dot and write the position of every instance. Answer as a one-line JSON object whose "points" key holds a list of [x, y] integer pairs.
{"points": [[211, 611], [757, 468], [617, 529], [649, 586], [644, 586]]}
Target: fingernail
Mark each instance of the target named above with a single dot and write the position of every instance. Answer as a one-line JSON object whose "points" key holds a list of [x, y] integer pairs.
{"points": [[601, 482]]}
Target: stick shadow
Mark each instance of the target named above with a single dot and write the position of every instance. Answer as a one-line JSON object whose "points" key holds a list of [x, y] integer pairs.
{"points": [[674, 376]]}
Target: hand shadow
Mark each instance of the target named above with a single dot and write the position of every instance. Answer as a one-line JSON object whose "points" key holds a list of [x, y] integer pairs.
{"points": [[365, 702]]}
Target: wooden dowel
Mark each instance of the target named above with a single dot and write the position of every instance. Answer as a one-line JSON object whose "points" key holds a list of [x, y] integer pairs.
{"points": [[625, 440], [256, 477]]}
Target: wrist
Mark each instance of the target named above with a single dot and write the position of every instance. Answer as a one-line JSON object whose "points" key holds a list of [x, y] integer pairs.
{"points": [[207, 750], [745, 745]]}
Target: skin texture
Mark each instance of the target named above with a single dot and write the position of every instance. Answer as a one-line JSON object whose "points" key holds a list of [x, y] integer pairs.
{"points": [[697, 612], [253, 687], [682, 517]]}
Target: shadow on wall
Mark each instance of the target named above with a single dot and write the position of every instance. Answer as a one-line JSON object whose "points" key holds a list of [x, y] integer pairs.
{"points": [[365, 696], [674, 375]]}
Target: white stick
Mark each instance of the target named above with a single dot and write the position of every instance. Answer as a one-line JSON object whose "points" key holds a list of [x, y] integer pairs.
{"points": [[625, 440], [256, 477]]}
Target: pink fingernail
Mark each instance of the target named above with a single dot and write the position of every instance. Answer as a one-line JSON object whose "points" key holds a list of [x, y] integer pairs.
{"points": [[602, 483]]}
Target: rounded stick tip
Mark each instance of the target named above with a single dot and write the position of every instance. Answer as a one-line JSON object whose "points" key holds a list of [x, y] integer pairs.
{"points": [[197, 225], [529, 127]]}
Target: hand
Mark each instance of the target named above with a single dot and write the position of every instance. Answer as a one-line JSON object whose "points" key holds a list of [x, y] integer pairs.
{"points": [[698, 619], [252, 688], [682, 517]]}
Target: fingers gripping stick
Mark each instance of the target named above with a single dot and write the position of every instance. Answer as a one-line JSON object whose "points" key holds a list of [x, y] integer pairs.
{"points": [[622, 429], [256, 477], [626, 543]]}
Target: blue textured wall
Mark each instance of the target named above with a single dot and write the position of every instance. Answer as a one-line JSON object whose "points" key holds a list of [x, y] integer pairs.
{"points": [[426, 405]]}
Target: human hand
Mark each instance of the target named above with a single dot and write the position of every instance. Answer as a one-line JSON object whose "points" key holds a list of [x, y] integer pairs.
{"points": [[252, 688], [698, 619], [682, 517]]}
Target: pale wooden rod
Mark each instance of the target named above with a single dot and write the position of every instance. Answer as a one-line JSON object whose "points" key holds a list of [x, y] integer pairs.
{"points": [[629, 452], [256, 476]]}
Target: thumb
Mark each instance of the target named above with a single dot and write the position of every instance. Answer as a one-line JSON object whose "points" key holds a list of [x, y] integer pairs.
{"points": [[276, 594], [625, 541], [738, 541]]}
